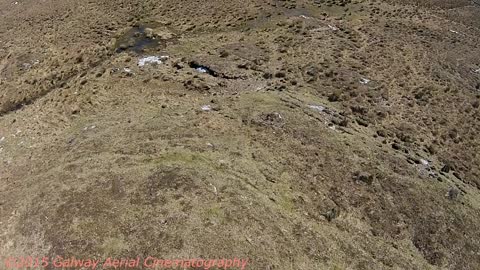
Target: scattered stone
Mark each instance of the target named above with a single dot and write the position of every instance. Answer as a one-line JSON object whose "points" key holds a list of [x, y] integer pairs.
{"points": [[114, 70], [89, 127], [214, 188], [332, 27], [424, 162], [364, 81], [128, 71]]}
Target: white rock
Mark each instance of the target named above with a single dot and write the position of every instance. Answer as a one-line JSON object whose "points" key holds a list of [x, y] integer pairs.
{"points": [[89, 127], [206, 108], [214, 188], [202, 70], [364, 81], [151, 60], [333, 28], [317, 107]]}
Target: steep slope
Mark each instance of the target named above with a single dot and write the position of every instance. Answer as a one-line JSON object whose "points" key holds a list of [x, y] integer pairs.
{"points": [[297, 134]]}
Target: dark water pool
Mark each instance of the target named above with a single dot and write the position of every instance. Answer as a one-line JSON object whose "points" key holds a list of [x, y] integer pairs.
{"points": [[136, 40]]}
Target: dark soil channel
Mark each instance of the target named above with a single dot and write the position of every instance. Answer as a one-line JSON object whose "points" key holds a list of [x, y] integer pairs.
{"points": [[207, 70], [136, 40]]}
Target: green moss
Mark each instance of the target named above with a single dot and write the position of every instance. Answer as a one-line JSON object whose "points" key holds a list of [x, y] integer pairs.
{"points": [[182, 157], [286, 200], [113, 246], [215, 213]]}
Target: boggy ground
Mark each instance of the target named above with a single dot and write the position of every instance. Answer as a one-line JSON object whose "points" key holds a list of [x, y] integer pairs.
{"points": [[300, 134]]}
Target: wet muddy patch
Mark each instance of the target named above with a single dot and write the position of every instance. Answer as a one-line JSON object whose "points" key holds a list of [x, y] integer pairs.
{"points": [[143, 38]]}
